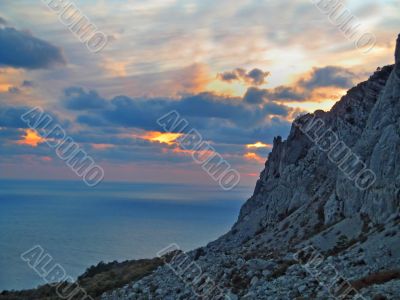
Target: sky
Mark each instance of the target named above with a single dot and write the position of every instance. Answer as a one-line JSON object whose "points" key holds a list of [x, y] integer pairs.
{"points": [[238, 71]]}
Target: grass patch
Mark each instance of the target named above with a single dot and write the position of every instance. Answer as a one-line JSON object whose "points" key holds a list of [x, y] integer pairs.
{"points": [[95, 281]]}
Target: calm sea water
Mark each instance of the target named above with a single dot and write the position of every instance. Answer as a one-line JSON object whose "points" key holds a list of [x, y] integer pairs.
{"points": [[80, 226]]}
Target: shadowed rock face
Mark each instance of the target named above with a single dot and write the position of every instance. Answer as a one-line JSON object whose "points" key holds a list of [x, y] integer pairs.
{"points": [[397, 52], [305, 197], [397, 57]]}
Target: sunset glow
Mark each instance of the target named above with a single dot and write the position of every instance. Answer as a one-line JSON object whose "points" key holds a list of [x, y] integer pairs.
{"points": [[4, 87], [238, 88], [31, 138], [253, 156], [102, 146], [162, 137], [258, 145]]}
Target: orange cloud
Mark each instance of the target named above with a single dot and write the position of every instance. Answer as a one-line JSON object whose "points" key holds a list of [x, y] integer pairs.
{"points": [[226, 89], [115, 68], [9, 77], [321, 98], [192, 79], [165, 83], [4, 87], [161, 137], [31, 138], [253, 174], [102, 146], [258, 145], [253, 156]]}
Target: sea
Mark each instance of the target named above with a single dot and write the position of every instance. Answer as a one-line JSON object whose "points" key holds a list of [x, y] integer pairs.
{"points": [[80, 226]]}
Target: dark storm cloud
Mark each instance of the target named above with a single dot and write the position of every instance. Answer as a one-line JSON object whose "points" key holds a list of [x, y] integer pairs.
{"points": [[20, 49]]}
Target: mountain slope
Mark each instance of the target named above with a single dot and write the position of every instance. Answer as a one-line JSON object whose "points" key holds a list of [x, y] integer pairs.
{"points": [[311, 201]]}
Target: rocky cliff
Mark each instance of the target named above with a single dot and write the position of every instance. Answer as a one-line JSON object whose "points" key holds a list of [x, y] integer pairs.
{"points": [[323, 222]]}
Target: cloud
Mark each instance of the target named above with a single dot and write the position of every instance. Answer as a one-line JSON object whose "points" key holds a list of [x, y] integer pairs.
{"points": [[17, 89], [254, 77], [3, 21], [271, 108], [249, 32], [76, 98], [255, 96], [281, 93], [221, 120], [31, 138], [202, 109], [304, 89], [28, 84], [257, 76], [14, 90], [265, 131], [148, 82], [10, 117], [287, 93], [125, 131], [329, 76], [20, 49]]}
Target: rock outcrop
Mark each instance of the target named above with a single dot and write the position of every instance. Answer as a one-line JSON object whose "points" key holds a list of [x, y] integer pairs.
{"points": [[343, 205]]}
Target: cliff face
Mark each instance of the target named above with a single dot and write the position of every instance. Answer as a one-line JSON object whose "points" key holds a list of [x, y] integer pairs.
{"points": [[298, 171], [333, 184]]}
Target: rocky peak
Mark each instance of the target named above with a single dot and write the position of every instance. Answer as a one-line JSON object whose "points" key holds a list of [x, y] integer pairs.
{"points": [[300, 178]]}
